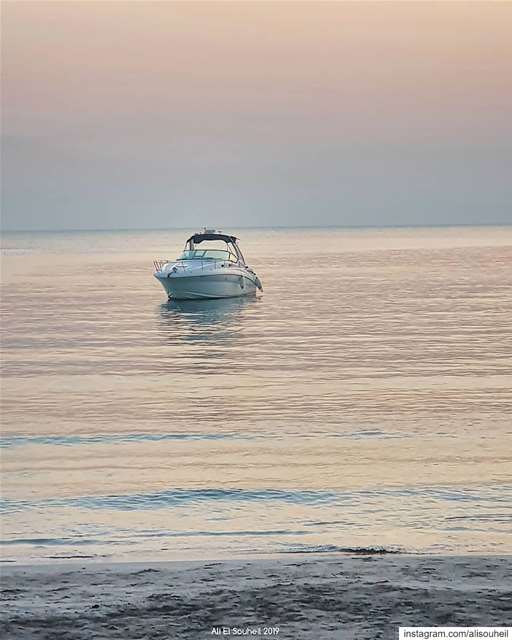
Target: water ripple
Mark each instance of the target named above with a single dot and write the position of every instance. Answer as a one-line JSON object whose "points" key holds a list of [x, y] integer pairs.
{"points": [[172, 497], [374, 370], [73, 440], [178, 497]]}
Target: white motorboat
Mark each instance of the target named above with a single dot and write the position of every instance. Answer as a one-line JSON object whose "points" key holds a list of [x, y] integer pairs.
{"points": [[205, 271]]}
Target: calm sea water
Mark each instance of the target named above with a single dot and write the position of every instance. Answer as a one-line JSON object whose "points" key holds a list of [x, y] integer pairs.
{"points": [[363, 400]]}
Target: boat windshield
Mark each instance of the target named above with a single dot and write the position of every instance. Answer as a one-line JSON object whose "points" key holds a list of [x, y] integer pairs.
{"points": [[208, 254]]}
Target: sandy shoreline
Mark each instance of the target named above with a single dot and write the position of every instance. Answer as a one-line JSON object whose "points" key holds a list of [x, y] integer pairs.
{"points": [[317, 597]]}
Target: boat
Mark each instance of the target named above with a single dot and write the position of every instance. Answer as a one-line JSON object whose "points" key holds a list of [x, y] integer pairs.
{"points": [[204, 271]]}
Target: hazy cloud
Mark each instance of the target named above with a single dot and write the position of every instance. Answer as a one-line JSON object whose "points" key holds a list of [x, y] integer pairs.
{"points": [[127, 114]]}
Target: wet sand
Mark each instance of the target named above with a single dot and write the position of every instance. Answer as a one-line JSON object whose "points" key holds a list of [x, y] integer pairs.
{"points": [[320, 598]]}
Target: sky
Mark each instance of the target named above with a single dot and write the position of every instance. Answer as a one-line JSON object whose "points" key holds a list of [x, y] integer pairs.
{"points": [[231, 114]]}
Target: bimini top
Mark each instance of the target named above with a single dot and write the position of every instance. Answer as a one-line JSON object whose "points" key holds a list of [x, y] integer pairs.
{"points": [[211, 235]]}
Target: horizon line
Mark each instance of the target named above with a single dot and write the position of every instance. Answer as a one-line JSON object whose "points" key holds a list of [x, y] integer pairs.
{"points": [[316, 226]]}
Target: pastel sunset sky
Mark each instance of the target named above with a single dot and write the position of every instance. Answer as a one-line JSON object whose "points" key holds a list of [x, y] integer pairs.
{"points": [[178, 114]]}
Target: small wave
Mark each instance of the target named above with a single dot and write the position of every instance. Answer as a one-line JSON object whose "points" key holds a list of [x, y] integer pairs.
{"points": [[48, 541], [234, 533], [74, 440], [483, 517], [327, 523], [134, 536], [172, 497], [363, 435], [332, 548], [197, 497], [75, 557], [114, 438]]}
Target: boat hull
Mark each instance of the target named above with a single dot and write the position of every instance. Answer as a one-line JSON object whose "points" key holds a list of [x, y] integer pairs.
{"points": [[204, 287]]}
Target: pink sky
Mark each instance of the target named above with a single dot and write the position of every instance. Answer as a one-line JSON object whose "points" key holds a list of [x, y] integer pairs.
{"points": [[167, 80]]}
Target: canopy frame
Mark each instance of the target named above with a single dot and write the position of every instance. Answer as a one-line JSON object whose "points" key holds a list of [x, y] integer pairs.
{"points": [[231, 241]]}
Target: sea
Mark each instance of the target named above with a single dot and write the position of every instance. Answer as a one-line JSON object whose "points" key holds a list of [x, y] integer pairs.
{"points": [[362, 402]]}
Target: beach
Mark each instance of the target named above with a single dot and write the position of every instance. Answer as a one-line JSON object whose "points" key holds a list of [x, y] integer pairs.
{"points": [[296, 596]]}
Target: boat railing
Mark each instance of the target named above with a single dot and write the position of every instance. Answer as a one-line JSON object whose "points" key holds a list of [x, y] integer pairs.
{"points": [[158, 264]]}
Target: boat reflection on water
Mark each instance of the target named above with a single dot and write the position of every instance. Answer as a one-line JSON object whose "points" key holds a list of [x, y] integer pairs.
{"points": [[215, 320]]}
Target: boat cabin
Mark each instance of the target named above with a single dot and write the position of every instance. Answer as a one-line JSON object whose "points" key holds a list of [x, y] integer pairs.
{"points": [[217, 246]]}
